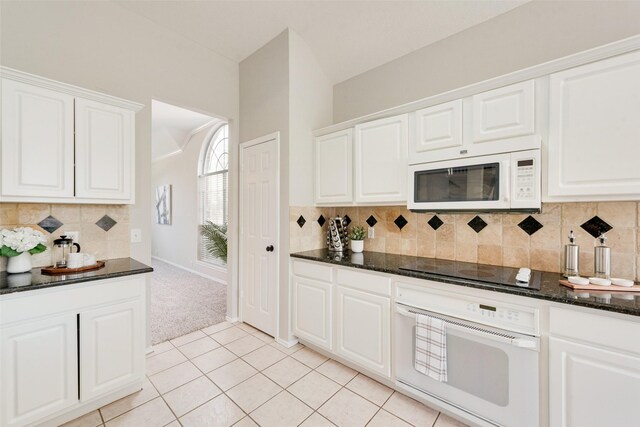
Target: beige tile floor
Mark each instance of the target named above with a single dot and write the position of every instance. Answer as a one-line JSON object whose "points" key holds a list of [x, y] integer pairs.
{"points": [[234, 375]]}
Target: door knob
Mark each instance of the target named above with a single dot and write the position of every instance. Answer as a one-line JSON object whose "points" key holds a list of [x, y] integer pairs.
{"points": [[270, 248]]}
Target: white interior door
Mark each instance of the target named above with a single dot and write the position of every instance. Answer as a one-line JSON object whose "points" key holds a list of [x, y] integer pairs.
{"points": [[258, 233]]}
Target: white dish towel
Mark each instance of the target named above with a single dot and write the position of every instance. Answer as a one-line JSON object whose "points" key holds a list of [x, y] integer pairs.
{"points": [[431, 347]]}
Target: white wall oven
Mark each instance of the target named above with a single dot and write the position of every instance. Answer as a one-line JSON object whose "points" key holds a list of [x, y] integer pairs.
{"points": [[508, 181], [492, 352]]}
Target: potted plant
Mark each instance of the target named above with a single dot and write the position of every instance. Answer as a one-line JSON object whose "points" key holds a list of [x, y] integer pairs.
{"points": [[215, 239], [19, 244], [357, 236]]}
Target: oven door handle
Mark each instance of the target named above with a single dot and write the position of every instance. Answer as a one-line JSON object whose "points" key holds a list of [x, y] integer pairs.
{"points": [[460, 325]]}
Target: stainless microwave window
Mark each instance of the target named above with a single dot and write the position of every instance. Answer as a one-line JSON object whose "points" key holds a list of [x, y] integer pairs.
{"points": [[462, 184]]}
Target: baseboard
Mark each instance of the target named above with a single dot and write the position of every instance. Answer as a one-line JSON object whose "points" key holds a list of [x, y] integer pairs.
{"points": [[287, 344], [206, 276], [231, 319]]}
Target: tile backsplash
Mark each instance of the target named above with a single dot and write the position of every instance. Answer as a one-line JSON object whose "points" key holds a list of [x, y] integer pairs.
{"points": [[510, 239], [104, 229]]}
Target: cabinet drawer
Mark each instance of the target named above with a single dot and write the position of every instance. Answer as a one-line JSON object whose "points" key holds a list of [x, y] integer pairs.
{"points": [[596, 328], [71, 298], [312, 270], [364, 281]]}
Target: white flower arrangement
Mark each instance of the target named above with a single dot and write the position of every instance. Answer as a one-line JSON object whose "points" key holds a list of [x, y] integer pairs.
{"points": [[21, 239]]}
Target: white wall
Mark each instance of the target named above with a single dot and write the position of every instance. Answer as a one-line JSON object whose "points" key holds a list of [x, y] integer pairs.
{"points": [[264, 108], [310, 107], [104, 47], [178, 243], [283, 88], [534, 33]]}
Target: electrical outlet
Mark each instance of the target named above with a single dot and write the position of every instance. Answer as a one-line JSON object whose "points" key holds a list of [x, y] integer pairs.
{"points": [[136, 235], [371, 233], [74, 235]]}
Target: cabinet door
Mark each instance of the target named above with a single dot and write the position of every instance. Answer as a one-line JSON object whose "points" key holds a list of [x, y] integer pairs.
{"points": [[505, 112], [111, 348], [39, 370], [362, 329], [436, 128], [37, 141], [589, 386], [381, 160], [312, 311], [334, 167], [104, 151], [594, 131]]}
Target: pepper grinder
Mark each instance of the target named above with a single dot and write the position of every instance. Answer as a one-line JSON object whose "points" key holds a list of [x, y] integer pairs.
{"points": [[571, 257], [602, 261]]}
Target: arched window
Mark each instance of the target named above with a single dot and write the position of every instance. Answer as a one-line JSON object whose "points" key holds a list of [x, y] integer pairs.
{"points": [[213, 180]]}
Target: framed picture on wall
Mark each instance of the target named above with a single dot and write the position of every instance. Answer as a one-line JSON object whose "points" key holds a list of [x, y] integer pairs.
{"points": [[163, 204]]}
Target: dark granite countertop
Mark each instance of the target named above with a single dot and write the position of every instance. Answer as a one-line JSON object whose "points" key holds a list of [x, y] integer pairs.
{"points": [[10, 283], [550, 289]]}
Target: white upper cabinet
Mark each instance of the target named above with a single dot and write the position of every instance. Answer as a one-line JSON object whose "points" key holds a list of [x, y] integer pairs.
{"points": [[506, 112], [497, 121], [104, 150], [334, 167], [594, 131], [381, 161], [64, 144], [37, 141], [436, 128]]}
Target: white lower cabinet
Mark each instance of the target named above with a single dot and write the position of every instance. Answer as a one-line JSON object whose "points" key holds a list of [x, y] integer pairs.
{"points": [[86, 349], [111, 348], [363, 329], [350, 321], [594, 369], [591, 386], [312, 311], [39, 369]]}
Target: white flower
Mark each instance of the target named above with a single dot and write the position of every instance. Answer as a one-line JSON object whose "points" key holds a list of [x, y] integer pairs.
{"points": [[21, 239]]}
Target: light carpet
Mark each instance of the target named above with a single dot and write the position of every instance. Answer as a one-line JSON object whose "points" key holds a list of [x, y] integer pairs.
{"points": [[183, 302]]}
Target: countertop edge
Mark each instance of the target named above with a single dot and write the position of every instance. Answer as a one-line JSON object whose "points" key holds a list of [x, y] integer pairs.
{"points": [[96, 275], [478, 285]]}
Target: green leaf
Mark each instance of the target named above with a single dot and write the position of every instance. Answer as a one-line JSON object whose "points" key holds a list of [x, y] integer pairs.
{"points": [[215, 239], [7, 251], [38, 249]]}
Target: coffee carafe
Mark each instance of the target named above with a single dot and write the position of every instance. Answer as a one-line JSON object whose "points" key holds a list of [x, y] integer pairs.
{"points": [[62, 247]]}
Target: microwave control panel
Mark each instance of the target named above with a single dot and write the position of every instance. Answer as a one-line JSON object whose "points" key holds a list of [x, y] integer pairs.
{"points": [[525, 179]]}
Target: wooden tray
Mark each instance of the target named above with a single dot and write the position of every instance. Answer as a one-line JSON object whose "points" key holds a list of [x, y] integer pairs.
{"points": [[54, 271], [607, 289]]}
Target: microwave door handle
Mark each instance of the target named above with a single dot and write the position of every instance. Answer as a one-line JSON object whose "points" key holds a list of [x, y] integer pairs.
{"points": [[525, 343], [507, 182]]}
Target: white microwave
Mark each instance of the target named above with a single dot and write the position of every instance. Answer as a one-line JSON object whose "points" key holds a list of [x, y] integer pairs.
{"points": [[508, 181]]}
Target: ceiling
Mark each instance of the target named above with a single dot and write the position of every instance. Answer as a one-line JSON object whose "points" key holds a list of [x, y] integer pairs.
{"points": [[347, 37], [172, 127]]}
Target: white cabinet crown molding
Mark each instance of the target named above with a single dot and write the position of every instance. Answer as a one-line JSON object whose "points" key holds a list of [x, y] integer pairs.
{"points": [[540, 70], [32, 79]]}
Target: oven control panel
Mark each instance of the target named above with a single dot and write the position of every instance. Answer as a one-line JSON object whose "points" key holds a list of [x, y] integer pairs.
{"points": [[479, 310], [491, 312]]}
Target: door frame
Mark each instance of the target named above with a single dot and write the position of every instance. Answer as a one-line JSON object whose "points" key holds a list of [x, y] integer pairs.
{"points": [[275, 136]]}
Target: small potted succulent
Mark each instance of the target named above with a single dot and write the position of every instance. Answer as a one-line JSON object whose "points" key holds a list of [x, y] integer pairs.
{"points": [[357, 237], [19, 244]]}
